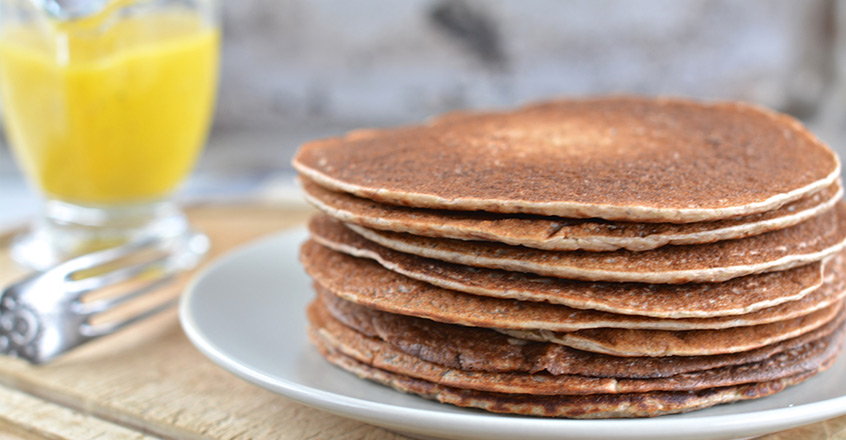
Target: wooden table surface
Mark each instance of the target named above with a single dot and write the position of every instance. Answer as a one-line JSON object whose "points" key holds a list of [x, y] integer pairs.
{"points": [[150, 382]]}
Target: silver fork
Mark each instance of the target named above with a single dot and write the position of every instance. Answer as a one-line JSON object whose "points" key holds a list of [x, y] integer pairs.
{"points": [[43, 315]]}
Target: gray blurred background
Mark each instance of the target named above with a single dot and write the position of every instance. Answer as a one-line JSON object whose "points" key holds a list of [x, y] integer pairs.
{"points": [[299, 69]]}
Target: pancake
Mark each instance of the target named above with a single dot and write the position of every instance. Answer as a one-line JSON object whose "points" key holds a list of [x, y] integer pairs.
{"points": [[334, 335], [485, 350], [629, 342], [616, 158], [804, 243], [734, 297], [638, 343], [367, 283], [649, 404], [555, 233]]}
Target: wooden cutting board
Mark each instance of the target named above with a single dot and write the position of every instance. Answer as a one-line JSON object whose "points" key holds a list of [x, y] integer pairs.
{"points": [[150, 381]]}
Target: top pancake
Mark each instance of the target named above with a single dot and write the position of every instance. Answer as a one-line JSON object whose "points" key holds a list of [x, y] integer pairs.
{"points": [[617, 158]]}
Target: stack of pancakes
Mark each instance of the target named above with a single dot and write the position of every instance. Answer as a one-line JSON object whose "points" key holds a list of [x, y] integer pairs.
{"points": [[611, 257]]}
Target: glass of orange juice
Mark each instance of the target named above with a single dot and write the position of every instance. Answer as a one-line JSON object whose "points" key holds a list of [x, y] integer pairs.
{"points": [[106, 104]]}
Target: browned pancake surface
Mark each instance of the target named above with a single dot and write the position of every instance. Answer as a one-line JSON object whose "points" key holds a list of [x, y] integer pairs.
{"points": [[629, 342], [555, 233], [733, 297], [478, 349], [804, 243], [588, 406], [618, 158], [367, 283], [377, 353]]}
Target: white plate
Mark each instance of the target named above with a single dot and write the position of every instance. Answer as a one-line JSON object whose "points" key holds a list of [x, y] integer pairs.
{"points": [[247, 313]]}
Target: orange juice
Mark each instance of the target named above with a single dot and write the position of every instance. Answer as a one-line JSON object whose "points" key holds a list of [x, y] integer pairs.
{"points": [[116, 117]]}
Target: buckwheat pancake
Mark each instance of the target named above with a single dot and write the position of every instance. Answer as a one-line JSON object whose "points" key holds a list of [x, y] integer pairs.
{"points": [[807, 242], [555, 233], [616, 158], [705, 300], [631, 342], [480, 349], [366, 283], [334, 335], [639, 343], [648, 404]]}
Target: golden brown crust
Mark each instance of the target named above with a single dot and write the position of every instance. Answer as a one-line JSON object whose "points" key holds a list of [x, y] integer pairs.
{"points": [[556, 233], [617, 158], [367, 283], [733, 297]]}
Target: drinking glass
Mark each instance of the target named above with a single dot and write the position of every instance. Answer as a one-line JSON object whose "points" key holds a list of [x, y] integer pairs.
{"points": [[106, 105]]}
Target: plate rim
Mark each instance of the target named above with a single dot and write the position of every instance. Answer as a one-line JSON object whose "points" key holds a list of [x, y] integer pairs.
{"points": [[386, 415]]}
